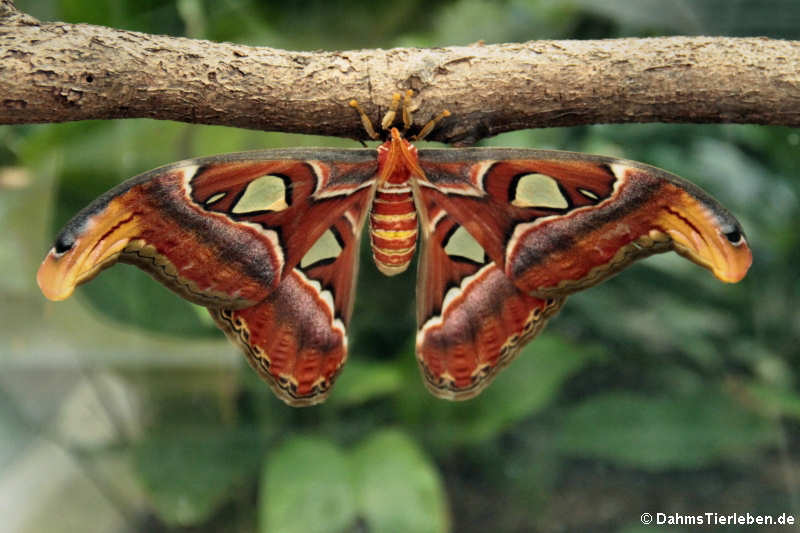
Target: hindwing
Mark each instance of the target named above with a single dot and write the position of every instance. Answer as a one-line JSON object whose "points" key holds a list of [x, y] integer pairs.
{"points": [[472, 319], [296, 338]]}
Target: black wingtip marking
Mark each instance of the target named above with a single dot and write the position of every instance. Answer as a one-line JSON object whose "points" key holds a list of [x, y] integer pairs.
{"points": [[64, 243], [734, 236]]}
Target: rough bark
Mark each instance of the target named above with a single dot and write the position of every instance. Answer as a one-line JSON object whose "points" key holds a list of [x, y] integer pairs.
{"points": [[53, 72]]}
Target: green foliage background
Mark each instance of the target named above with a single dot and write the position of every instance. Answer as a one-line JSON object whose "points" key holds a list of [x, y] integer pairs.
{"points": [[663, 390]]}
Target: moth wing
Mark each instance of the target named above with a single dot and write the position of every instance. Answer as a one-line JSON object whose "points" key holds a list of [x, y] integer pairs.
{"points": [[558, 222], [220, 231], [472, 319], [296, 338]]}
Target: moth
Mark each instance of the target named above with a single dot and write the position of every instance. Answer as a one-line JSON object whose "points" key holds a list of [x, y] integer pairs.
{"points": [[268, 241]]}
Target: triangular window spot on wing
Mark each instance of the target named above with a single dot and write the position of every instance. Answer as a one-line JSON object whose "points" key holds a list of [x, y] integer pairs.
{"points": [[267, 193]]}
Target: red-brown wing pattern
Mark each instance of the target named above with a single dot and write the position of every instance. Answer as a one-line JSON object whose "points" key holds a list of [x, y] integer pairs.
{"points": [[296, 199], [268, 241], [472, 319], [220, 231], [296, 338], [558, 222]]}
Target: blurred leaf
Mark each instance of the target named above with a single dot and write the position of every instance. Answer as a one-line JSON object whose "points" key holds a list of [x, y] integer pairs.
{"points": [[498, 22], [656, 433], [21, 250], [306, 486], [155, 16], [144, 303], [76, 11], [709, 17], [542, 139], [531, 382], [363, 381], [742, 180], [773, 400], [529, 385], [188, 476], [527, 465], [193, 17], [648, 14], [14, 432], [377, 298], [667, 320], [398, 488]]}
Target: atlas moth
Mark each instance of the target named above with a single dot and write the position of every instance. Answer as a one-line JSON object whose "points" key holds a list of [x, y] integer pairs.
{"points": [[268, 241]]}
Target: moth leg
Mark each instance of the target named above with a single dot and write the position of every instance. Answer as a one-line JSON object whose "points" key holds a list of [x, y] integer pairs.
{"points": [[427, 128], [365, 121], [391, 115], [407, 109], [388, 118]]}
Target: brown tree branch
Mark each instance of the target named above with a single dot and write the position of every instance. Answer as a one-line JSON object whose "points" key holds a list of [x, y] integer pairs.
{"points": [[53, 72]]}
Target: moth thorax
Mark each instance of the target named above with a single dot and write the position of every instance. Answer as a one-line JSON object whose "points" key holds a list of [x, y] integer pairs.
{"points": [[393, 227]]}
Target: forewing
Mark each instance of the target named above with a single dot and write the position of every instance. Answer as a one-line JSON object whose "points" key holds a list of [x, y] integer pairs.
{"points": [[558, 222], [220, 231]]}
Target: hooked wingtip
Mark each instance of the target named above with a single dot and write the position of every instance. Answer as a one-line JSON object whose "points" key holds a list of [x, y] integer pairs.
{"points": [[735, 266], [700, 240], [79, 255], [51, 278]]}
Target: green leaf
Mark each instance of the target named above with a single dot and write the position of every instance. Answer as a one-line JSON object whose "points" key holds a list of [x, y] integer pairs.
{"points": [[398, 488], [189, 476], [130, 296], [709, 17], [774, 400], [363, 381], [656, 433], [529, 385], [306, 487]]}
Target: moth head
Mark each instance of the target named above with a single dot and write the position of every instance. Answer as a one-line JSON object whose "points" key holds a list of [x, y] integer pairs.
{"points": [[705, 233], [397, 155], [88, 244]]}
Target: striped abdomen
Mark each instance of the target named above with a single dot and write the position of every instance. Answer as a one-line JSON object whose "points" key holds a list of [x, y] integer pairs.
{"points": [[393, 227]]}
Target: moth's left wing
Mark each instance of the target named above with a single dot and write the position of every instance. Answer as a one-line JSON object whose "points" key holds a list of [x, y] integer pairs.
{"points": [[472, 319], [558, 222]]}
